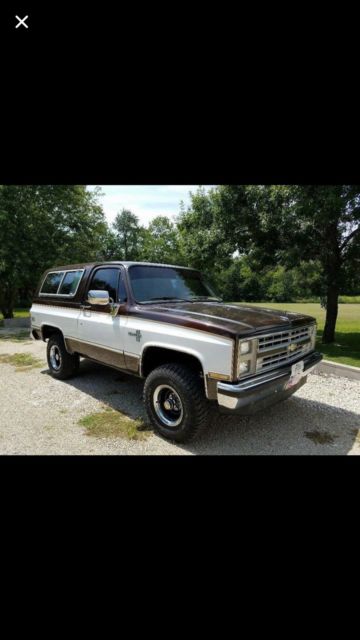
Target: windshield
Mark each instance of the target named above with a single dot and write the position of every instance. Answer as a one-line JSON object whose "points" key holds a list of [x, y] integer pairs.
{"points": [[168, 283]]}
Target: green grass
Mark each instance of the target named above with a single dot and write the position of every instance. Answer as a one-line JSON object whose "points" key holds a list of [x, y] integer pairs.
{"points": [[114, 424], [346, 349], [21, 361]]}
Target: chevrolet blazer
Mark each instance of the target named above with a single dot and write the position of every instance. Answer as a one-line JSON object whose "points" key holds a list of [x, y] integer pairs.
{"points": [[165, 324]]}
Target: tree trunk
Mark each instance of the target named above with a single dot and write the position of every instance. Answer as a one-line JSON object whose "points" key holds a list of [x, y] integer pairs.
{"points": [[7, 312], [331, 315], [7, 302]]}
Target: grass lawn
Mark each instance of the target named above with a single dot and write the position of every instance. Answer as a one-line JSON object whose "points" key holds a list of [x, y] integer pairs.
{"points": [[346, 348]]}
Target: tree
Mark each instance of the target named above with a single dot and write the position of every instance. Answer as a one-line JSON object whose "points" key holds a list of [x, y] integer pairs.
{"points": [[109, 248], [42, 226], [202, 241], [161, 242], [327, 228], [129, 234]]}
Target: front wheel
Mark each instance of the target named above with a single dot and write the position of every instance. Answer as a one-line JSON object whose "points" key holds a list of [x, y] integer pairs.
{"points": [[62, 364], [175, 402]]}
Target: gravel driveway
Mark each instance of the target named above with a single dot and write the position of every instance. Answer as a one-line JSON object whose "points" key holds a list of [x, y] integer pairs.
{"points": [[40, 415]]}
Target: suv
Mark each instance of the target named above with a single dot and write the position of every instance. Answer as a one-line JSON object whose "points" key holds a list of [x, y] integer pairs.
{"points": [[165, 324]]}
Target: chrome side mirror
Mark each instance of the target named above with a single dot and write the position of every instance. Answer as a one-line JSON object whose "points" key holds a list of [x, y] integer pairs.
{"points": [[98, 298]]}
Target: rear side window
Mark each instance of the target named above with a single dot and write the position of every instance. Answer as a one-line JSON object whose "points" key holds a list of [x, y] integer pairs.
{"points": [[70, 283], [51, 282]]}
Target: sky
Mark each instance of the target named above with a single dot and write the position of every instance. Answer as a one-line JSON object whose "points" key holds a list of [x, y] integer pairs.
{"points": [[146, 201]]}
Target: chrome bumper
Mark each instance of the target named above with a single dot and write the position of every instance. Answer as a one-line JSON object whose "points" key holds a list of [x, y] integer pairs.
{"points": [[260, 391]]}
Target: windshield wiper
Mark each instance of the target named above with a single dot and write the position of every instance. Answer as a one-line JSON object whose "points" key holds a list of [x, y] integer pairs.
{"points": [[175, 299], [172, 298]]}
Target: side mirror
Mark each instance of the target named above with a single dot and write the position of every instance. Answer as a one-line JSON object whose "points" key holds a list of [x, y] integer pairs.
{"points": [[98, 298]]}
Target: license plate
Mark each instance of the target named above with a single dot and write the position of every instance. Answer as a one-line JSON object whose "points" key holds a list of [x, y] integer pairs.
{"points": [[296, 374]]}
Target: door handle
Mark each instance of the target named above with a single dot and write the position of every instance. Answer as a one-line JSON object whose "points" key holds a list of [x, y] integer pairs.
{"points": [[85, 306]]}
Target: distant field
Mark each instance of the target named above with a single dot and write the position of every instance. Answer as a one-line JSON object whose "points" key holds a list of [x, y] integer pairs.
{"points": [[349, 299], [346, 349]]}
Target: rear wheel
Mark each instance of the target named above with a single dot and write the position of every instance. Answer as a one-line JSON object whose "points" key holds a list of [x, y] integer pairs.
{"points": [[175, 402], [62, 364]]}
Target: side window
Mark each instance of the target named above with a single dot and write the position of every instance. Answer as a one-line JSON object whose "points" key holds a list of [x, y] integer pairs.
{"points": [[70, 283], [51, 282], [106, 280]]}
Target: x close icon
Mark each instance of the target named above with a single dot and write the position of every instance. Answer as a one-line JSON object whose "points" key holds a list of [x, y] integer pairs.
{"points": [[21, 22]]}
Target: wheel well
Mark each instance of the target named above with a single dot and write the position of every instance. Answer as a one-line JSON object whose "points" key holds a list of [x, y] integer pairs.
{"points": [[47, 331], [154, 357]]}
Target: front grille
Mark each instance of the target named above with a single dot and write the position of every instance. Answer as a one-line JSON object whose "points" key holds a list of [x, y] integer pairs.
{"points": [[281, 347]]}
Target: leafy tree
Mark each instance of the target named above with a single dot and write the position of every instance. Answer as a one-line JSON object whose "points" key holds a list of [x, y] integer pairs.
{"points": [[308, 278], [129, 235], [42, 226], [109, 248], [241, 281], [327, 228], [282, 286], [161, 243], [203, 243]]}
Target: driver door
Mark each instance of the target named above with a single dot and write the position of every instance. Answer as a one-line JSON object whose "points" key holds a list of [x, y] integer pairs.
{"points": [[100, 333]]}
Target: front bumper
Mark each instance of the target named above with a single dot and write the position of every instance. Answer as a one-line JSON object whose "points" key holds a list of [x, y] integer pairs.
{"points": [[263, 390]]}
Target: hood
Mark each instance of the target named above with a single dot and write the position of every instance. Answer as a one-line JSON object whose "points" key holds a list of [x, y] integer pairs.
{"points": [[239, 320]]}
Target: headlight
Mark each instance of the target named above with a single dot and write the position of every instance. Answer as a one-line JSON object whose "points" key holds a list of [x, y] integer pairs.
{"points": [[245, 347], [247, 357], [244, 367]]}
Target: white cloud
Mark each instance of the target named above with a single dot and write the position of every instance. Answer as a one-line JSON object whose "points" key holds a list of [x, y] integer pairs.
{"points": [[146, 201]]}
